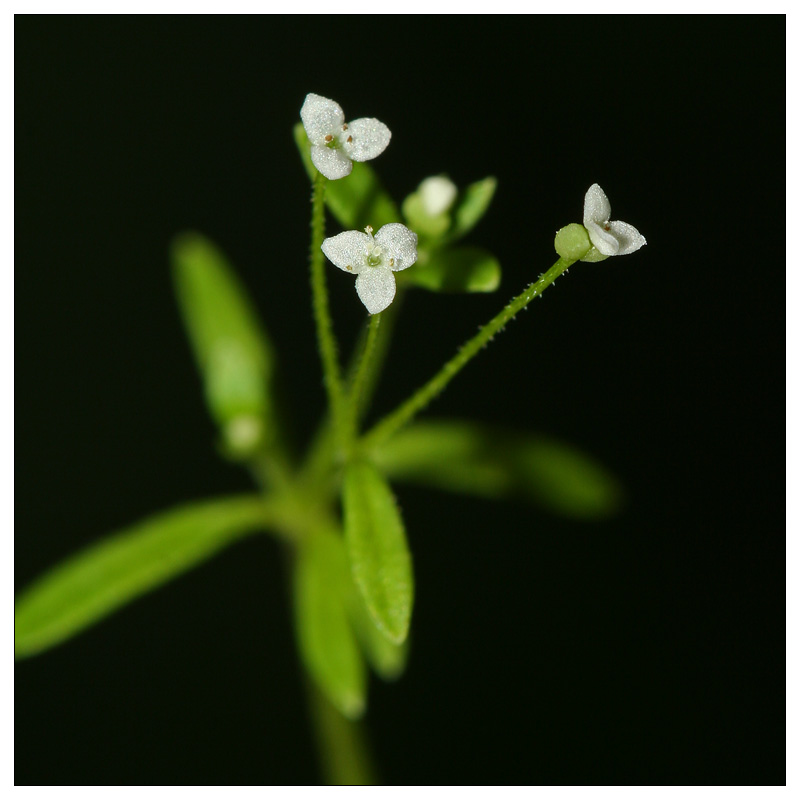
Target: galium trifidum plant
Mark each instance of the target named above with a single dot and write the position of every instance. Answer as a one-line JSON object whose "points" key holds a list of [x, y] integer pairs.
{"points": [[334, 509]]}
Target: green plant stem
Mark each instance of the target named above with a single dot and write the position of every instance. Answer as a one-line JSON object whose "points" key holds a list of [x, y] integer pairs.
{"points": [[322, 316], [420, 399], [342, 744], [365, 364]]}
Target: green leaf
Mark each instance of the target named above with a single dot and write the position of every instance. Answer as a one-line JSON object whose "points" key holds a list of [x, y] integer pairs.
{"points": [[499, 463], [454, 269], [327, 643], [376, 544], [357, 200], [114, 571], [471, 205], [234, 355], [386, 658]]}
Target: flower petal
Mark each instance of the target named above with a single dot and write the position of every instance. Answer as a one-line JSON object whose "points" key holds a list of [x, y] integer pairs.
{"points": [[321, 117], [348, 250], [365, 138], [332, 163], [596, 207], [376, 288], [630, 240], [398, 244], [605, 241]]}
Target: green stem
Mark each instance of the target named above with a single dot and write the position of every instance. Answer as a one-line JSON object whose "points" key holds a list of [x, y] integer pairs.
{"points": [[365, 364], [325, 336], [405, 412], [342, 744]]}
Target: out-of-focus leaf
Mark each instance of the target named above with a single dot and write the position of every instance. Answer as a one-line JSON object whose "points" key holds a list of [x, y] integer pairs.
{"points": [[420, 221], [376, 544], [114, 571], [234, 355], [492, 462], [357, 200], [454, 269], [327, 643], [471, 205]]}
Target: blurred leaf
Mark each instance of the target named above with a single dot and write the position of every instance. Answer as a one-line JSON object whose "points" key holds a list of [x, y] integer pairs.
{"points": [[376, 544], [104, 576], [471, 205], [492, 462], [357, 200], [386, 658], [454, 269], [420, 221], [232, 351], [327, 643]]}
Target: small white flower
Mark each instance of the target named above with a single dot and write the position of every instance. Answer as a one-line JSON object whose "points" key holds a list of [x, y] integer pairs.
{"points": [[335, 144], [609, 238], [373, 259], [437, 195]]}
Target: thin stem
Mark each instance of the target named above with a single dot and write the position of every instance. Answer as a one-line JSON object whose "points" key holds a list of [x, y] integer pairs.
{"points": [[365, 364], [325, 336], [405, 412], [342, 744], [378, 358]]}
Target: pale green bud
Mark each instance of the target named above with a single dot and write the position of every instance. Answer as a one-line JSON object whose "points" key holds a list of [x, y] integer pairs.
{"points": [[573, 242]]}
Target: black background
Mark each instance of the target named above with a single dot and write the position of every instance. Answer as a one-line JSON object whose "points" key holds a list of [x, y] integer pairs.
{"points": [[645, 649]]}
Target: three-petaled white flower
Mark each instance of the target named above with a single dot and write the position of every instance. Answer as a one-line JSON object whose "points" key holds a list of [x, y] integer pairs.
{"points": [[609, 238], [373, 259], [335, 144]]}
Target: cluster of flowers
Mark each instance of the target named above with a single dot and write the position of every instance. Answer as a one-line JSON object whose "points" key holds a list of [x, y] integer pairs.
{"points": [[335, 144]]}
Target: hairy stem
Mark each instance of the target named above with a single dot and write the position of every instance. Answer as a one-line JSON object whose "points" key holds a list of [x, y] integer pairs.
{"points": [[322, 316], [420, 399], [365, 365]]}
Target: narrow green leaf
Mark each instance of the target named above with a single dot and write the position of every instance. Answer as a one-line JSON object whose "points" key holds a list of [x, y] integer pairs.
{"points": [[357, 200], [376, 544], [386, 658], [454, 269], [494, 462], [95, 582], [326, 640], [233, 353], [471, 205]]}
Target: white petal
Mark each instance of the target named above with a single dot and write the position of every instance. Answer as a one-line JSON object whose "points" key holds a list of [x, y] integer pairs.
{"points": [[376, 288], [332, 163], [348, 250], [321, 117], [365, 139], [596, 207], [605, 241], [630, 240], [398, 245]]}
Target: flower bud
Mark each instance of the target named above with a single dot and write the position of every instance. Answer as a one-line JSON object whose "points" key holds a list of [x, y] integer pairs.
{"points": [[572, 242]]}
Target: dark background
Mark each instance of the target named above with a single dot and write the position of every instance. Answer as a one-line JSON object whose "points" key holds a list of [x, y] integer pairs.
{"points": [[645, 649]]}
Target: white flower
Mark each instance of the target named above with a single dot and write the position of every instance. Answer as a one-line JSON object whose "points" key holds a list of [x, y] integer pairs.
{"points": [[373, 259], [335, 144], [609, 238], [437, 195]]}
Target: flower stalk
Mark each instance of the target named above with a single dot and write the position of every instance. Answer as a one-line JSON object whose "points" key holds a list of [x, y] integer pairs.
{"points": [[322, 315]]}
